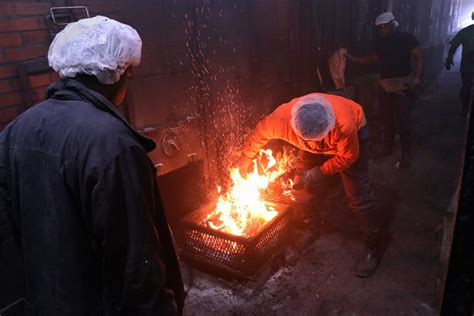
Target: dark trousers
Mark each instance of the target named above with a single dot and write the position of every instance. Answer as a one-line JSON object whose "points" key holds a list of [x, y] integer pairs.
{"points": [[395, 110], [465, 93], [355, 179]]}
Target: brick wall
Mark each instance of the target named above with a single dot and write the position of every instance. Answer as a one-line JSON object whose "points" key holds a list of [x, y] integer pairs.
{"points": [[23, 36]]}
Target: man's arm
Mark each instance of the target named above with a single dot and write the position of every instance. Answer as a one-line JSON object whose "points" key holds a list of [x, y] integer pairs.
{"points": [[452, 50], [267, 129], [365, 60], [5, 206], [134, 274], [417, 56], [347, 152], [455, 43]]}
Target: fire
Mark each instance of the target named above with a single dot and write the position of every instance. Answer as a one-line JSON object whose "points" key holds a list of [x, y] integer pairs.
{"points": [[243, 209]]}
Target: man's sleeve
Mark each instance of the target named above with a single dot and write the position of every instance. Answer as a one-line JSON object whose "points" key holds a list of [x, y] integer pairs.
{"points": [[123, 202], [412, 42], [5, 206], [457, 39], [271, 127], [347, 153]]}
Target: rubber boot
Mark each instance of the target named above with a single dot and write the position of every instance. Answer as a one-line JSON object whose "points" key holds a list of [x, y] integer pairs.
{"points": [[404, 162], [371, 256]]}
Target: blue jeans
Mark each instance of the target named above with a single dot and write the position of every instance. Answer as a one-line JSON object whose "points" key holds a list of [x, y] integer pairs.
{"points": [[356, 182], [395, 110]]}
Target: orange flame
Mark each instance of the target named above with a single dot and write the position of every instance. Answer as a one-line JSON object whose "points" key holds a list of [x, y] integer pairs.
{"points": [[243, 210]]}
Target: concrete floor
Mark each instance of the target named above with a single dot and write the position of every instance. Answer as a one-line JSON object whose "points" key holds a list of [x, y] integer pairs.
{"points": [[318, 276]]}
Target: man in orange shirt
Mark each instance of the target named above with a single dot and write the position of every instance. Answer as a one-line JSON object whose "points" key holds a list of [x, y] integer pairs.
{"points": [[335, 127]]}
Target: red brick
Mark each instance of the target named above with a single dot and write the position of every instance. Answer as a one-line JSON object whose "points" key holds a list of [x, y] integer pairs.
{"points": [[5, 86], [36, 38], [8, 114], [89, 3], [60, 3], [6, 9], [8, 71], [39, 80], [22, 24], [9, 85], [23, 53], [53, 76], [9, 99], [78, 2], [102, 8], [39, 94], [32, 8], [10, 40]]}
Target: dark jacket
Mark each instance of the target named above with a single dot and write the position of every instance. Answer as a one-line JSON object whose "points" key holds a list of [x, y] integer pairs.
{"points": [[82, 198]]}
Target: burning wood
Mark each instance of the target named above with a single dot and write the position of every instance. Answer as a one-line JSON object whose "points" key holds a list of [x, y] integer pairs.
{"points": [[243, 209]]}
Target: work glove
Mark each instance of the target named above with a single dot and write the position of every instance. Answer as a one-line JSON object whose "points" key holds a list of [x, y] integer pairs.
{"points": [[312, 175], [243, 163], [449, 63]]}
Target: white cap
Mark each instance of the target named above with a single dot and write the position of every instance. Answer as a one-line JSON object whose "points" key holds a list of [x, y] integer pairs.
{"points": [[96, 46], [384, 18]]}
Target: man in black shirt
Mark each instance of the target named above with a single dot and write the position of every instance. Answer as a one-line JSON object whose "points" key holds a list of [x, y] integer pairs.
{"points": [[394, 50]]}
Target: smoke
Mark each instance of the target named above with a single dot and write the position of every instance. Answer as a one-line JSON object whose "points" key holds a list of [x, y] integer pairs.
{"points": [[465, 14]]}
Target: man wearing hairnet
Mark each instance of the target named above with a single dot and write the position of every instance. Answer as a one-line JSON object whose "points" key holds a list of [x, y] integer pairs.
{"points": [[395, 50], [80, 190], [333, 127]]}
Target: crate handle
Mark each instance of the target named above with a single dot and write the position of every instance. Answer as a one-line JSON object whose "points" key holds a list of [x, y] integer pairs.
{"points": [[52, 9]]}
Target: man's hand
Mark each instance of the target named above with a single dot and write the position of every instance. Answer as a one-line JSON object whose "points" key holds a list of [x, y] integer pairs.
{"points": [[350, 58], [413, 84], [243, 163], [313, 175], [449, 63]]}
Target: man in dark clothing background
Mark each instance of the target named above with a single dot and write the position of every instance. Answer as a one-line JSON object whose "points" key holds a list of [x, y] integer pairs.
{"points": [[464, 37], [80, 191], [395, 50]]}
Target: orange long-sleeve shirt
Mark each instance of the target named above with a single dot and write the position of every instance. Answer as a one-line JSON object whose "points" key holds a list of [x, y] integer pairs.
{"points": [[342, 142]]}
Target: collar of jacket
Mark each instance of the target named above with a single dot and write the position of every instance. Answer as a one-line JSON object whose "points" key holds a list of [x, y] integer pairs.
{"points": [[68, 89]]}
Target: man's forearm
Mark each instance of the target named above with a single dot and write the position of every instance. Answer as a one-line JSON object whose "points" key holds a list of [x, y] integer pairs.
{"points": [[417, 56], [418, 66], [364, 60], [452, 51]]}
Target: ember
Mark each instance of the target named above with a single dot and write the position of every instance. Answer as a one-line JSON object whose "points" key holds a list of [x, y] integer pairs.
{"points": [[243, 210]]}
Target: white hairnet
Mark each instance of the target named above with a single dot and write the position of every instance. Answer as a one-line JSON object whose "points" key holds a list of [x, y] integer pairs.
{"points": [[384, 18], [312, 117], [96, 46]]}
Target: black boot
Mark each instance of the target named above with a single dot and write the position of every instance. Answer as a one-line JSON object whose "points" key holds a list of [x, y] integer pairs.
{"points": [[404, 161], [368, 263], [405, 144], [370, 259]]}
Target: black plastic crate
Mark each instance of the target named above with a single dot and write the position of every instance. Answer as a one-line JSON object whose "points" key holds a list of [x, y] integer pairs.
{"points": [[236, 254]]}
